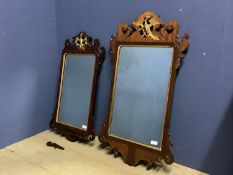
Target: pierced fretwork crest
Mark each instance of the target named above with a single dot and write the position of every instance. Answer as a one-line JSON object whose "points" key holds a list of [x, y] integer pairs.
{"points": [[82, 40], [147, 27]]}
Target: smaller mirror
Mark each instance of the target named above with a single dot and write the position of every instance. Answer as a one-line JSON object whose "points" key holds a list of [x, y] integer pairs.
{"points": [[80, 64]]}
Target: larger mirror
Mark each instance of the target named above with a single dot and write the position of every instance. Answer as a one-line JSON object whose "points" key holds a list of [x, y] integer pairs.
{"points": [[146, 56], [74, 115]]}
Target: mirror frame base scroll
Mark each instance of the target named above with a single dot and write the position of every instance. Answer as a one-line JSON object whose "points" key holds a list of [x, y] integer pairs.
{"points": [[147, 29], [81, 44]]}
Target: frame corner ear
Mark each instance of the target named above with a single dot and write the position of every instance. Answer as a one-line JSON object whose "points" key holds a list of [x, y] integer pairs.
{"points": [[183, 46]]}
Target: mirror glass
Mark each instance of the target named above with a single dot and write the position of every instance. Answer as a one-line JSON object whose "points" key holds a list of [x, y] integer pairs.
{"points": [[76, 90], [141, 92]]}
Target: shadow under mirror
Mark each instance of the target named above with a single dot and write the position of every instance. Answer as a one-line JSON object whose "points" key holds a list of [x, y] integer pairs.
{"points": [[75, 110]]}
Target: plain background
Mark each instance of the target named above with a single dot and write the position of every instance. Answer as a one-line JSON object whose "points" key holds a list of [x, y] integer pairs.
{"points": [[29, 66], [32, 34]]}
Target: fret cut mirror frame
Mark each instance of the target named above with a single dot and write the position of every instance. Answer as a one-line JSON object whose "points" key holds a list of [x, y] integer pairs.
{"points": [[82, 44], [147, 30]]}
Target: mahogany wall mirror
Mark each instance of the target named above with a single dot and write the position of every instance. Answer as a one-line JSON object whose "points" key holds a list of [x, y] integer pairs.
{"points": [[80, 64], [146, 56]]}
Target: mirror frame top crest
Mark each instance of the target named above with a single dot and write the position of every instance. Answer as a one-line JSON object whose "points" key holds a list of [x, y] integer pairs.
{"points": [[82, 44], [146, 30]]}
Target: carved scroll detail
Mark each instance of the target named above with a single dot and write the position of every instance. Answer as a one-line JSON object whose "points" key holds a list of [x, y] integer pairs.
{"points": [[148, 27], [182, 48]]}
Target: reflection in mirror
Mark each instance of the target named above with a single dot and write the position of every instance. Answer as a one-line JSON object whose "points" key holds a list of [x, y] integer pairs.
{"points": [[76, 90], [75, 110], [141, 94]]}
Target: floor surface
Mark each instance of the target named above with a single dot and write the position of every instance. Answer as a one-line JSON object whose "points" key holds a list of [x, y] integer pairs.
{"points": [[32, 157]]}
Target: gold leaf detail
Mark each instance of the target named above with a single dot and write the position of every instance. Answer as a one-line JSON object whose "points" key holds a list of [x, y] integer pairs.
{"points": [[81, 41], [147, 26]]}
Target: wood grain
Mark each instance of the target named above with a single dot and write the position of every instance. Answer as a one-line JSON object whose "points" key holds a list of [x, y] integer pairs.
{"points": [[147, 29]]}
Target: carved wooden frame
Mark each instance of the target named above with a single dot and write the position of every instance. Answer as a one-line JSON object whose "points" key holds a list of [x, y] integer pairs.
{"points": [[147, 29], [81, 44]]}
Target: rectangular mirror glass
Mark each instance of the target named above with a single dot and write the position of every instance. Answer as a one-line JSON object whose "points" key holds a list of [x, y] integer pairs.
{"points": [[76, 90], [141, 93]]}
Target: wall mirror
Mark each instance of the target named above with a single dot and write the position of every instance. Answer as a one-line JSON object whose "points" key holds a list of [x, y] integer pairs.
{"points": [[146, 55], [80, 65]]}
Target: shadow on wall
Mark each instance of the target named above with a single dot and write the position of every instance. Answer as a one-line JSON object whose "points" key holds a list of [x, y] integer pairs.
{"points": [[218, 159], [103, 92]]}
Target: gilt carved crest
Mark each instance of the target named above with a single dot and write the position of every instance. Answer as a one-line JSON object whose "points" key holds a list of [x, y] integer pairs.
{"points": [[148, 27], [81, 40]]}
